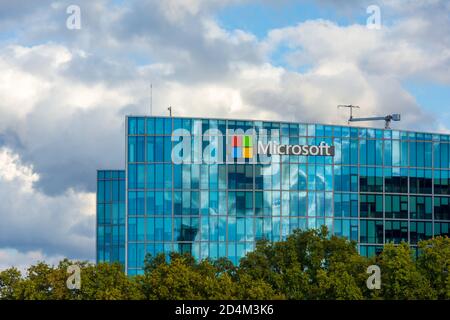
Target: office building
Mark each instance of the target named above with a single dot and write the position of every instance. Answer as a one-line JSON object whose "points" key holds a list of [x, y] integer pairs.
{"points": [[213, 187]]}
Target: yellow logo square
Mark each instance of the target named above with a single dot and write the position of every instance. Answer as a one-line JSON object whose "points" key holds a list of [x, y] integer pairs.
{"points": [[248, 152]]}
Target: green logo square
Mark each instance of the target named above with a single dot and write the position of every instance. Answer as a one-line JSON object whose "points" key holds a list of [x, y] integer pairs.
{"points": [[248, 141]]}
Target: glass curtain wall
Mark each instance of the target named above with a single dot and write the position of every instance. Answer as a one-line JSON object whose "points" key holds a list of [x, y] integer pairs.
{"points": [[381, 186]]}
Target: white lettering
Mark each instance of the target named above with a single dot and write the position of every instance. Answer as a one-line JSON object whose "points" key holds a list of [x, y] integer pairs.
{"points": [[314, 150], [73, 21], [181, 152]]}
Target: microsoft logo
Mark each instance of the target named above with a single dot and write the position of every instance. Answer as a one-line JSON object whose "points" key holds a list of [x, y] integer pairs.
{"points": [[242, 147], [214, 147]]}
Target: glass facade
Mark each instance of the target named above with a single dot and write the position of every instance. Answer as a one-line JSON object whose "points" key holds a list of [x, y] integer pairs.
{"points": [[111, 216], [380, 186]]}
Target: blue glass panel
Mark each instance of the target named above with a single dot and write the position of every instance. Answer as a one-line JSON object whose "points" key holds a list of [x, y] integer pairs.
{"points": [[132, 257], [168, 126], [167, 176], [167, 149], [159, 149], [177, 172], [159, 176], [150, 126], [132, 229], [140, 203], [150, 199], [132, 125], [140, 125], [132, 202], [150, 180], [159, 229], [167, 229], [159, 202], [132, 149], [150, 149], [150, 229], [159, 126]]}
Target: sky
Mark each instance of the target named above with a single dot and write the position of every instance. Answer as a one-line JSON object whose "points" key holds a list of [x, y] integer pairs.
{"points": [[64, 91]]}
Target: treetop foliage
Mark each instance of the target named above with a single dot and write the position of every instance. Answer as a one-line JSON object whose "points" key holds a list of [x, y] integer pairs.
{"points": [[308, 265]]}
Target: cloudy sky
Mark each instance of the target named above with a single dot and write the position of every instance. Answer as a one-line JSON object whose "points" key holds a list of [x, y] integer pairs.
{"points": [[64, 92]]}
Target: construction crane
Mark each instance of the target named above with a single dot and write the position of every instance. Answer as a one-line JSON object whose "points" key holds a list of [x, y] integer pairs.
{"points": [[387, 119]]}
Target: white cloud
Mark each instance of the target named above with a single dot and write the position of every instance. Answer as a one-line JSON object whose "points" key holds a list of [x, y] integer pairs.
{"points": [[11, 170], [392, 51], [23, 260], [32, 221]]}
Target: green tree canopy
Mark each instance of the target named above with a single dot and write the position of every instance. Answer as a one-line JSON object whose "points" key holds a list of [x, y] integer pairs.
{"points": [[307, 265]]}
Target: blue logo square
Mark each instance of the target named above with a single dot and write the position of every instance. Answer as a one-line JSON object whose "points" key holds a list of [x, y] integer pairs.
{"points": [[237, 152]]}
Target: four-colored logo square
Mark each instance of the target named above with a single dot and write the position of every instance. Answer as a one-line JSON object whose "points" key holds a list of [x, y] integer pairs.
{"points": [[242, 147]]}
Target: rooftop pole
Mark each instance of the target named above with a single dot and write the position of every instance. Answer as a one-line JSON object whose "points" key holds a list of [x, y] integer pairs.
{"points": [[151, 99]]}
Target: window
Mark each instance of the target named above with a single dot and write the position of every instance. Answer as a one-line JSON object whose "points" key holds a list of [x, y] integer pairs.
{"points": [[396, 180], [420, 231], [441, 182], [371, 231], [370, 251], [420, 181], [441, 208], [396, 207], [396, 231], [442, 229], [240, 176], [420, 207], [345, 178], [346, 228], [132, 125], [371, 179], [132, 149], [345, 205], [371, 206]]}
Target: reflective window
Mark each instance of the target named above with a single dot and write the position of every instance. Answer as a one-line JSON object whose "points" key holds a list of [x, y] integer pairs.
{"points": [[396, 207], [441, 208], [420, 207], [345, 205], [371, 231], [420, 231], [442, 229], [396, 231], [111, 216], [371, 206]]}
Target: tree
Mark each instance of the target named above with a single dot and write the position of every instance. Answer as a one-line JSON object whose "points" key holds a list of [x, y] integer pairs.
{"points": [[108, 282], [184, 278], [37, 285], [9, 281], [171, 281], [400, 277], [434, 263], [309, 265]]}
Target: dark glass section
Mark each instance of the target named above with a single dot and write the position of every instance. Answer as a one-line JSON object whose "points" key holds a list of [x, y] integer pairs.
{"points": [[396, 231], [371, 231], [420, 230], [420, 207], [441, 208], [111, 216], [396, 207], [371, 206]]}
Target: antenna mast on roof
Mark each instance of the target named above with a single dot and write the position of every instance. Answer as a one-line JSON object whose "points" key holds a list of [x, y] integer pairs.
{"points": [[151, 99]]}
